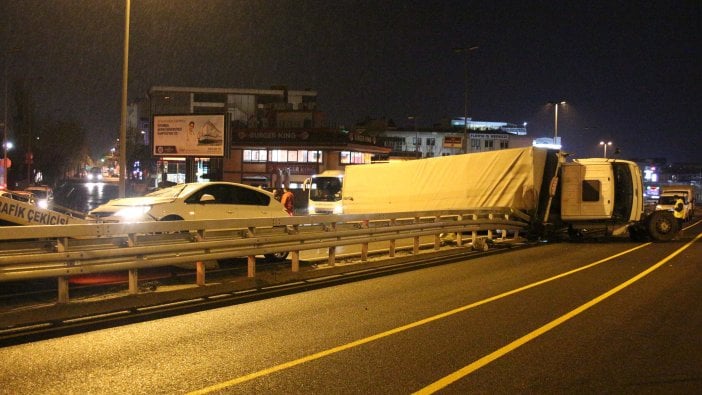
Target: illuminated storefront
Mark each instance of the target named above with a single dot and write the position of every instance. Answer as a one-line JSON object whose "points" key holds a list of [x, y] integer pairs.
{"points": [[271, 158]]}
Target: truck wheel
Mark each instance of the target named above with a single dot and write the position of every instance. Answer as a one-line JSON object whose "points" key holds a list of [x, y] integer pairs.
{"points": [[276, 256], [662, 226]]}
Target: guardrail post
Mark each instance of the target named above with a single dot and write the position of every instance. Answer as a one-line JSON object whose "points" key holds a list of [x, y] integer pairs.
{"points": [[133, 281], [489, 235], [415, 243], [251, 263], [63, 289], [200, 273], [332, 250], [474, 234], [295, 261], [459, 234], [364, 246], [437, 237], [392, 242], [133, 274], [332, 256]]}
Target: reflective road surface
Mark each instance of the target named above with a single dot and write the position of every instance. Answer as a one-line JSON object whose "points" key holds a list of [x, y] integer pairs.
{"points": [[618, 317]]}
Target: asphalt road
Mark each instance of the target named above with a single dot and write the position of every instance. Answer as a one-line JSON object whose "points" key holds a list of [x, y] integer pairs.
{"points": [[618, 317]]}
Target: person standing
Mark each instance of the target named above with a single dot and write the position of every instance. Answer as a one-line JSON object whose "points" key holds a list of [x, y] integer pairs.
{"points": [[679, 213], [288, 200]]}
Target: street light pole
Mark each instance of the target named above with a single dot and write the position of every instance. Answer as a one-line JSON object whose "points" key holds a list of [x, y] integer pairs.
{"points": [[555, 120], [123, 118], [465, 51], [604, 145], [3, 185]]}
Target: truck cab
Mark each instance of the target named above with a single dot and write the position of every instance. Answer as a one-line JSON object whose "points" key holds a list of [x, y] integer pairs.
{"points": [[602, 194]]}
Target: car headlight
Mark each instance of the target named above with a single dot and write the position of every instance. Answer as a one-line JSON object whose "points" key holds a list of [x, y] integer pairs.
{"points": [[311, 208], [338, 209], [43, 203], [132, 213]]}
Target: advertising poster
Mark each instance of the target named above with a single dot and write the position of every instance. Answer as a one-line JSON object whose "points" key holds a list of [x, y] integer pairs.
{"points": [[189, 135]]}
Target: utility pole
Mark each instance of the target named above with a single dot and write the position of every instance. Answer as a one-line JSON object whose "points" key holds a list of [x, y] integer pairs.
{"points": [[123, 118], [465, 51]]}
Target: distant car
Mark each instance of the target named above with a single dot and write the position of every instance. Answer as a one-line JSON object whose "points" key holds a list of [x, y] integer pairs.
{"points": [[194, 201], [95, 174], [21, 196], [43, 194], [667, 202]]}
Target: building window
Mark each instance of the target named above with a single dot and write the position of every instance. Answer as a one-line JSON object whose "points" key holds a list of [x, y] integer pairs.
{"points": [[504, 144], [255, 155], [350, 157], [281, 155], [488, 143], [314, 156], [431, 141], [416, 141], [591, 190], [475, 144]]}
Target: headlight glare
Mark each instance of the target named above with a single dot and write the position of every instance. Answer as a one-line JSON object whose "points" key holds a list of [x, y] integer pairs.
{"points": [[132, 213]]}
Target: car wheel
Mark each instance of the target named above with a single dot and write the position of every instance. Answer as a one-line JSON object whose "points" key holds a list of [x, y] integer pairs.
{"points": [[172, 218]]}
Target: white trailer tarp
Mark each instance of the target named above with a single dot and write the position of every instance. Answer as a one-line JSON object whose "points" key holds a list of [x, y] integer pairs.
{"points": [[505, 178]]}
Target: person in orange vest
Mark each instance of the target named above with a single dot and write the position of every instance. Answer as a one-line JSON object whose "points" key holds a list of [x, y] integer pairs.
{"points": [[288, 200]]}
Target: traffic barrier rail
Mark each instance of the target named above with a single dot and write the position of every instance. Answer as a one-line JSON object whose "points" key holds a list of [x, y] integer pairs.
{"points": [[62, 251]]}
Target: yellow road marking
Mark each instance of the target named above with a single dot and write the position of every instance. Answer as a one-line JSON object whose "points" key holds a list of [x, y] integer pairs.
{"points": [[468, 369], [325, 353]]}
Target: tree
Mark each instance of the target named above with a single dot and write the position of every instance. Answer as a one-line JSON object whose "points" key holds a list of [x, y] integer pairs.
{"points": [[62, 149]]}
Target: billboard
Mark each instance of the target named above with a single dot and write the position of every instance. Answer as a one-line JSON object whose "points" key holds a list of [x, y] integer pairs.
{"points": [[453, 142], [189, 135]]}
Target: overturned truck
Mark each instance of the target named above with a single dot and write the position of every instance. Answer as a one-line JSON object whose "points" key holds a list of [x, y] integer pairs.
{"points": [[579, 198]]}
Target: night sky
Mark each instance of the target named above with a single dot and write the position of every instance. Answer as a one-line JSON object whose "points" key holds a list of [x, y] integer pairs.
{"points": [[630, 71]]}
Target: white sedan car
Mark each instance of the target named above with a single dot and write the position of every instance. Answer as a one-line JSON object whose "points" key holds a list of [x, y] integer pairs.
{"points": [[196, 201], [193, 201]]}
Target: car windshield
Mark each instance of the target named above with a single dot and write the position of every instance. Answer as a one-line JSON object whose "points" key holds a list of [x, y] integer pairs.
{"points": [[175, 191], [39, 193], [172, 191], [666, 200]]}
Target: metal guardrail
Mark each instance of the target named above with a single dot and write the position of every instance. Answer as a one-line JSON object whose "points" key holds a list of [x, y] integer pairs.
{"points": [[29, 252]]}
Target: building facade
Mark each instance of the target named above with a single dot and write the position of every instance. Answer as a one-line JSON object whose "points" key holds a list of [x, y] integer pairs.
{"points": [[448, 139], [275, 136]]}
